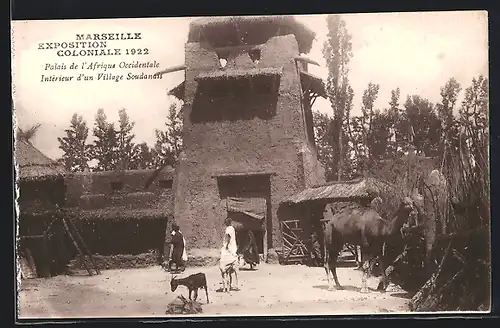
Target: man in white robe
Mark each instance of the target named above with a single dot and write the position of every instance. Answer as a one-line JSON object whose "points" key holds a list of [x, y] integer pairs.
{"points": [[228, 258]]}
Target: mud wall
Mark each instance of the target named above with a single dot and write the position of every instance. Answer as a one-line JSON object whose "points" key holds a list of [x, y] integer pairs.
{"points": [[100, 183], [131, 220], [41, 195], [257, 145]]}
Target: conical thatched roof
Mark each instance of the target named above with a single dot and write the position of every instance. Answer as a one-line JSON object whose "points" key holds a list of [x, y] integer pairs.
{"points": [[33, 164]]}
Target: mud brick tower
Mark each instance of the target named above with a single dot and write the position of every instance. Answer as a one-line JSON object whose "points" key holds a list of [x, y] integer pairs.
{"points": [[248, 130]]}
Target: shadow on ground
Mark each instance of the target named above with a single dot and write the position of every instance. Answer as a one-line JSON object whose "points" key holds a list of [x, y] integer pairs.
{"points": [[346, 265], [346, 287], [404, 295], [248, 269]]}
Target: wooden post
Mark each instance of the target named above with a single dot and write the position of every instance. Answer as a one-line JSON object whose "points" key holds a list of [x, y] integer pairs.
{"points": [[82, 257], [46, 257], [265, 238], [84, 245]]}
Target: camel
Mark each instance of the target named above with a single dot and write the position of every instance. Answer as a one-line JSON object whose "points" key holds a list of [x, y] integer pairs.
{"points": [[366, 228]]}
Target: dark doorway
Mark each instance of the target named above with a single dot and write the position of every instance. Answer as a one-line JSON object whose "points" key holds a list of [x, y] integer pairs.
{"points": [[242, 224], [250, 187]]}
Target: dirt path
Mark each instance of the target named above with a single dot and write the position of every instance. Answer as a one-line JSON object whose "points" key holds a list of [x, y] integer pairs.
{"points": [[270, 290]]}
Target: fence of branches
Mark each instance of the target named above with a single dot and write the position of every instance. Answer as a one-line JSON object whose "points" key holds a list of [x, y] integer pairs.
{"points": [[454, 273], [460, 260]]}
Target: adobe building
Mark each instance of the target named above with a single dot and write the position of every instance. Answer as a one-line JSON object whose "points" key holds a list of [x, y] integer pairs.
{"points": [[115, 210], [248, 128]]}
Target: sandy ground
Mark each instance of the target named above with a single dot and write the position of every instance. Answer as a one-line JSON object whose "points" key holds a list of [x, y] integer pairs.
{"points": [[270, 290]]}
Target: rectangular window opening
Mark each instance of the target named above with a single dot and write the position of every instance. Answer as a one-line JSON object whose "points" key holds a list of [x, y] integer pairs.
{"points": [[116, 185], [235, 99], [165, 184]]}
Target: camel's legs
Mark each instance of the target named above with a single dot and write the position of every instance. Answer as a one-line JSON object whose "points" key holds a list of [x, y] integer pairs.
{"points": [[327, 271], [364, 240], [384, 281], [206, 292], [236, 277], [364, 276], [195, 296], [331, 266]]}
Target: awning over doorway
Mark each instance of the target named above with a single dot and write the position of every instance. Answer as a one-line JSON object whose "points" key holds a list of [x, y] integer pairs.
{"points": [[254, 207]]}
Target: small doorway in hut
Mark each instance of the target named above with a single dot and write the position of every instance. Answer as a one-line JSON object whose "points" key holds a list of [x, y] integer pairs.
{"points": [[247, 199]]}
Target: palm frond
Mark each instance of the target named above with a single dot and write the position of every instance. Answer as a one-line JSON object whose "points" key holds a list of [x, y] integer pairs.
{"points": [[28, 134]]}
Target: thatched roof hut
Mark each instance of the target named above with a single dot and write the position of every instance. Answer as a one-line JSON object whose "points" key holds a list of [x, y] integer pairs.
{"points": [[358, 189], [308, 205], [34, 165]]}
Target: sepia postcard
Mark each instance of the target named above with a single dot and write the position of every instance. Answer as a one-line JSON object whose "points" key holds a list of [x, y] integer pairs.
{"points": [[252, 165]]}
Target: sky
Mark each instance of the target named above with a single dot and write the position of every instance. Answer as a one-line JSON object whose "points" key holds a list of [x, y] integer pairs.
{"points": [[417, 52]]}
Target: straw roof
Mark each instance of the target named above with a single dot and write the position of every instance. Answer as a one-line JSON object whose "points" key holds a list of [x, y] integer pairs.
{"points": [[123, 213], [363, 188], [178, 91], [33, 164], [239, 73], [168, 171], [313, 83], [234, 30]]}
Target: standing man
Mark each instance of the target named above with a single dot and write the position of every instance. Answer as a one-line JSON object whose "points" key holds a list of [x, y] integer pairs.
{"points": [[228, 258], [250, 251], [177, 250]]}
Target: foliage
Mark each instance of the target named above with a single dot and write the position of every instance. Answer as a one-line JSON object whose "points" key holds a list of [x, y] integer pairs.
{"points": [[29, 133], [462, 280], [105, 147], [125, 144], [423, 125], [453, 141], [114, 148], [337, 51], [143, 157], [369, 97], [74, 145], [168, 144]]}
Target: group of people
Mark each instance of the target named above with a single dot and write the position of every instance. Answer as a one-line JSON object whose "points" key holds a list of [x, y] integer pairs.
{"points": [[232, 251]]}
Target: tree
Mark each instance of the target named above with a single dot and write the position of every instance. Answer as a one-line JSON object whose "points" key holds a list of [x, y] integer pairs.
{"points": [[449, 96], [444, 110], [337, 51], [29, 133], [423, 124], [369, 97], [399, 126], [105, 146], [124, 139], [168, 144], [473, 116], [328, 150], [143, 157], [474, 110], [324, 143], [74, 145], [380, 135]]}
